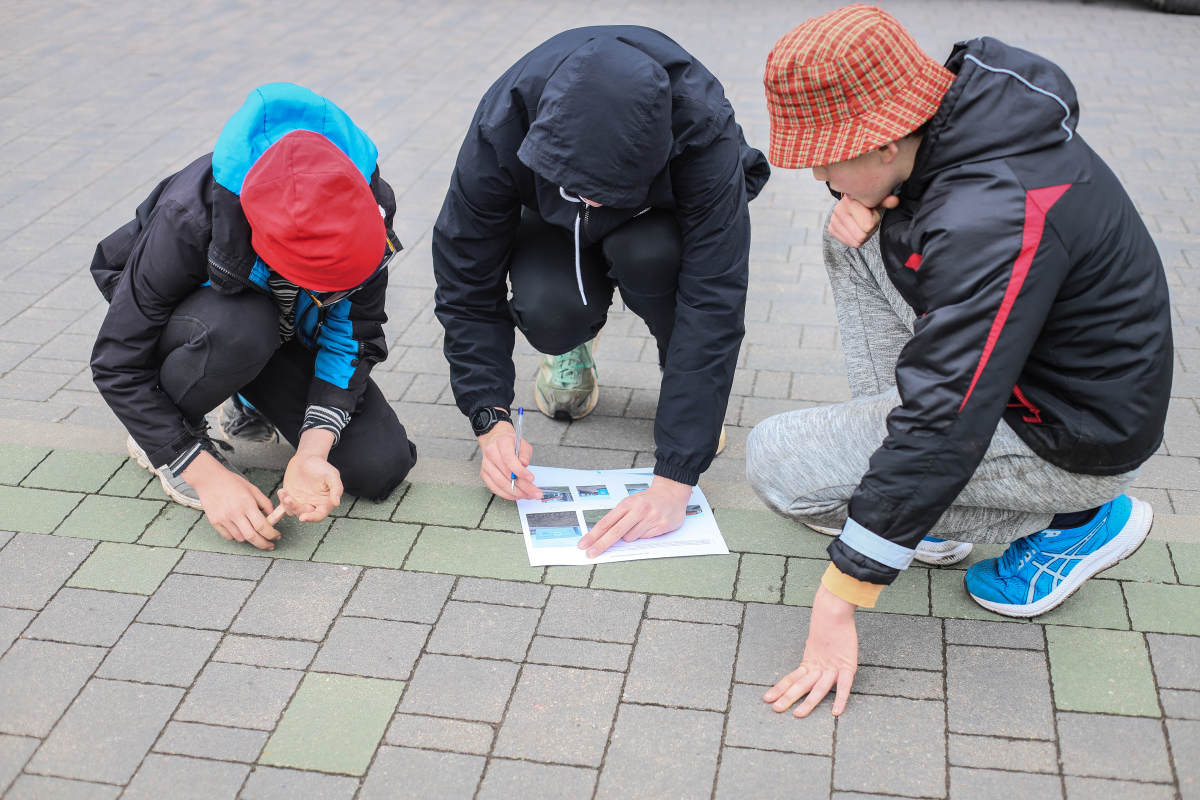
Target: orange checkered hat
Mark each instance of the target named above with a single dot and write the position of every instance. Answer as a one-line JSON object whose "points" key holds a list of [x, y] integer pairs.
{"points": [[846, 82]]}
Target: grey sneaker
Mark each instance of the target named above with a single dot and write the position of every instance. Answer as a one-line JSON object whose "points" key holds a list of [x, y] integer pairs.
{"points": [[567, 387], [239, 422], [174, 485]]}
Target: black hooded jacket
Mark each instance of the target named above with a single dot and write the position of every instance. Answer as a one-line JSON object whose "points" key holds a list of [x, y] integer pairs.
{"points": [[1040, 298], [625, 117]]}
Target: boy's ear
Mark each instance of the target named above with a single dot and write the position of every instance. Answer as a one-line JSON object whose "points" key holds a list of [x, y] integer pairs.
{"points": [[888, 152]]}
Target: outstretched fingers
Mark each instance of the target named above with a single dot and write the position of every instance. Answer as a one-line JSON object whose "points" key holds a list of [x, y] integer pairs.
{"points": [[819, 690]]}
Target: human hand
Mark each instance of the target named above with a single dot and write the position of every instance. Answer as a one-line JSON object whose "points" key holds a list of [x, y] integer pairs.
{"points": [[232, 504], [312, 487], [658, 510], [500, 463], [830, 657], [852, 223]]}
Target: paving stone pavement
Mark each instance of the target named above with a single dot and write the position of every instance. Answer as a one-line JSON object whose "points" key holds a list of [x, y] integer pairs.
{"points": [[406, 648]]}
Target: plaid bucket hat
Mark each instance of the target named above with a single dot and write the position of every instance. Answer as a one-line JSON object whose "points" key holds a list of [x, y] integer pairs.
{"points": [[846, 82]]}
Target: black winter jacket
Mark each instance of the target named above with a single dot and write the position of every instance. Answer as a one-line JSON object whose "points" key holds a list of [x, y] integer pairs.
{"points": [[148, 266], [643, 125], [1040, 298]]}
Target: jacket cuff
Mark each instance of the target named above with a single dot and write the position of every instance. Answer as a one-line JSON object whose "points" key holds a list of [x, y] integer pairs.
{"points": [[674, 473], [470, 403], [323, 393], [852, 590], [858, 566]]}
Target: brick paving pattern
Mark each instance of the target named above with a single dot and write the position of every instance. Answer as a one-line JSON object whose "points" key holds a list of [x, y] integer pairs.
{"points": [[407, 648]]}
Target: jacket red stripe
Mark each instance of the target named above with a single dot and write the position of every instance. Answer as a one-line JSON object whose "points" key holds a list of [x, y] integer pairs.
{"points": [[1038, 203]]}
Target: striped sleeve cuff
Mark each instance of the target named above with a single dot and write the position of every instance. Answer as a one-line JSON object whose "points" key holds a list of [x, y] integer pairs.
{"points": [[326, 418], [852, 590]]}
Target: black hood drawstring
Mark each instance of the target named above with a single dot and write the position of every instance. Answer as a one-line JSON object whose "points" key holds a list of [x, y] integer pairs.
{"points": [[578, 271]]}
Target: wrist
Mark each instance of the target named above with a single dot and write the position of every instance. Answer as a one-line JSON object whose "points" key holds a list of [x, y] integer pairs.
{"points": [[315, 442], [498, 430], [680, 491], [829, 605], [199, 473]]}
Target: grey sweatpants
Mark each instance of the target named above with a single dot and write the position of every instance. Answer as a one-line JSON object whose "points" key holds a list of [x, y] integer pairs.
{"points": [[806, 464]]}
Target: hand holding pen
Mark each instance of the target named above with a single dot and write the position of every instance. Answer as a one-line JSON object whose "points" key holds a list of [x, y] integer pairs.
{"points": [[505, 461]]}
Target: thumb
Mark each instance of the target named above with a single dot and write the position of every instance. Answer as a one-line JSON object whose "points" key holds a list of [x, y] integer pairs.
{"points": [[333, 479], [891, 201]]}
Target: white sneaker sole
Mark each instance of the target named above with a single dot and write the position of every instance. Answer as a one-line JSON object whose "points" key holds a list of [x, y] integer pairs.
{"points": [[945, 558], [136, 453], [1123, 545]]}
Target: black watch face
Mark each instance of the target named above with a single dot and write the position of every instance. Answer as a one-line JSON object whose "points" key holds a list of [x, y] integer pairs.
{"points": [[482, 418]]}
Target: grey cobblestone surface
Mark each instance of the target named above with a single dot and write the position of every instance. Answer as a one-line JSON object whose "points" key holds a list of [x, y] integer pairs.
{"points": [[512, 689]]}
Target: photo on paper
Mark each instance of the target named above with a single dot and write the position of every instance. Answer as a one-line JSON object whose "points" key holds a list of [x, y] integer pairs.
{"points": [[556, 494], [634, 488], [592, 491], [694, 511], [593, 515], [554, 529]]}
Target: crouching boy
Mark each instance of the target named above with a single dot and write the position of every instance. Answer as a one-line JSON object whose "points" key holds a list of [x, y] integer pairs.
{"points": [[256, 276], [1004, 316]]}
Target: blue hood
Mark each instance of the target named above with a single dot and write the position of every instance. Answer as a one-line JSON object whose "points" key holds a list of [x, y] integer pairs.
{"points": [[271, 112]]}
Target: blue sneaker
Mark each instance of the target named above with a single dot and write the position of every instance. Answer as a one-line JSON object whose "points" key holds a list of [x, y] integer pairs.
{"points": [[1039, 572]]}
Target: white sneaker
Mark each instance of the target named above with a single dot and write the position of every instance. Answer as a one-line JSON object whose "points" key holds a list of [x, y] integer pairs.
{"points": [[942, 552]]}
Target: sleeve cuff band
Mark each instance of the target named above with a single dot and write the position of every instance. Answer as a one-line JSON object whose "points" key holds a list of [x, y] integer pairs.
{"points": [[874, 546], [852, 590]]}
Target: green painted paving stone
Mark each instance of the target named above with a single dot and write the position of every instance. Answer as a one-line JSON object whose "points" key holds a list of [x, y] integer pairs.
{"points": [[267, 480], [34, 510], [803, 580], [1166, 609], [367, 543], [568, 576], [1187, 562], [333, 724], [17, 461], [73, 471], [747, 531], [1096, 604], [110, 519], [129, 481], [1106, 672], [502, 516], [131, 568], [366, 509], [443, 504], [908, 594], [950, 598], [153, 490], [480, 554], [171, 526], [760, 578], [298, 543], [693, 576], [1150, 564]]}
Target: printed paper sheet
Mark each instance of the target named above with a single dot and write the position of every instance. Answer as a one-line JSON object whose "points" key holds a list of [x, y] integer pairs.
{"points": [[576, 499]]}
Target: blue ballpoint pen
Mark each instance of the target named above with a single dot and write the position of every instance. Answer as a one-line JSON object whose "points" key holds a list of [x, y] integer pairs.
{"points": [[520, 419]]}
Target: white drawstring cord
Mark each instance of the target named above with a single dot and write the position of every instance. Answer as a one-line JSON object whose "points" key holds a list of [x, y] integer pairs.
{"points": [[578, 271]]}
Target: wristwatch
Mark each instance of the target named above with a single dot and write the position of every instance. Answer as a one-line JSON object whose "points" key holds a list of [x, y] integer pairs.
{"points": [[486, 418]]}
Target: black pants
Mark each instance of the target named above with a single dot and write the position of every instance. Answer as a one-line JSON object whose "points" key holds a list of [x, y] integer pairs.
{"points": [[215, 345], [642, 257]]}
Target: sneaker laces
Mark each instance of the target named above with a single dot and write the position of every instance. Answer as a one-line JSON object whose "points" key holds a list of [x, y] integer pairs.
{"points": [[245, 418], [569, 367], [200, 431], [1016, 556]]}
